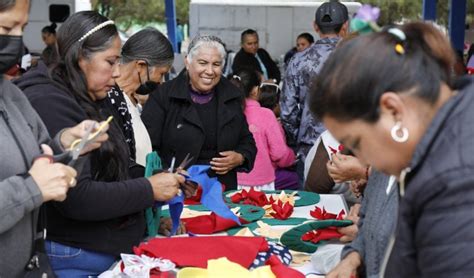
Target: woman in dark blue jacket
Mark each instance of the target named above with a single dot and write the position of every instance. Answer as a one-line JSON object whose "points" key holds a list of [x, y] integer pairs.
{"points": [[389, 97]]}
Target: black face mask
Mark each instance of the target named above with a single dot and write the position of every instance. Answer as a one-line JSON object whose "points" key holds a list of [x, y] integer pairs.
{"points": [[11, 49], [147, 87]]}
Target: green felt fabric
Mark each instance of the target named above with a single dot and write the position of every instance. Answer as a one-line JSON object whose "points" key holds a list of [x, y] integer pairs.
{"points": [[292, 238], [152, 215], [270, 221], [247, 212]]}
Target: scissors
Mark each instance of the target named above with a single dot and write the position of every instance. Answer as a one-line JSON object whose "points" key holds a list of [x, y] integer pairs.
{"points": [[184, 164], [70, 156]]}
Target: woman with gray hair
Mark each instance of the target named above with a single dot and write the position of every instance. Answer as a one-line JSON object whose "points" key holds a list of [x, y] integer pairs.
{"points": [[200, 113], [146, 57]]}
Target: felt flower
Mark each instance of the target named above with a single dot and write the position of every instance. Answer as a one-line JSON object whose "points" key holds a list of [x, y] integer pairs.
{"points": [[322, 214], [252, 197], [316, 236], [365, 20], [281, 210], [333, 150], [368, 13], [340, 148]]}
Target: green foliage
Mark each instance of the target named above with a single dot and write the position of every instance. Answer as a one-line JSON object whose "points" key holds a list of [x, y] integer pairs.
{"points": [[141, 12], [398, 10]]}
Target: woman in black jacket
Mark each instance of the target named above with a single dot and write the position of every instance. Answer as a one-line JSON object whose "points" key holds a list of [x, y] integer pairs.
{"points": [[103, 215], [200, 113], [400, 112]]}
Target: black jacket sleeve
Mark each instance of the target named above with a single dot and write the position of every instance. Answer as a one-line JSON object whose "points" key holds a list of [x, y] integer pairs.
{"points": [[272, 68], [89, 199], [153, 116], [442, 241]]}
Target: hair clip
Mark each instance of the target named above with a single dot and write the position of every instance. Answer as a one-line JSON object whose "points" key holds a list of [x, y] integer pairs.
{"points": [[237, 77], [397, 33], [401, 37], [269, 84], [399, 49], [95, 29]]}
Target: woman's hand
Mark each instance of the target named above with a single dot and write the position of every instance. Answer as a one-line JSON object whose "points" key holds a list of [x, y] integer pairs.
{"points": [[165, 185], [347, 268], [345, 168], [189, 188], [358, 187], [350, 232], [53, 179], [166, 224], [228, 161], [71, 134]]}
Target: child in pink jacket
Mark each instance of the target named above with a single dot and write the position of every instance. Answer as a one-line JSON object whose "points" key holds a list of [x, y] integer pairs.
{"points": [[272, 150]]}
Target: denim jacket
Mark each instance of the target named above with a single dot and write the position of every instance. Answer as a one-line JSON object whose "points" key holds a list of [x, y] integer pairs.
{"points": [[300, 125]]}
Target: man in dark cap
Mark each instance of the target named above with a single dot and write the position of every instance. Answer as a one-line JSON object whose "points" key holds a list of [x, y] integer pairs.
{"points": [[331, 23]]}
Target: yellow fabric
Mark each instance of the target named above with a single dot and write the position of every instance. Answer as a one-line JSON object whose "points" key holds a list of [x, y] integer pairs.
{"points": [[222, 267]]}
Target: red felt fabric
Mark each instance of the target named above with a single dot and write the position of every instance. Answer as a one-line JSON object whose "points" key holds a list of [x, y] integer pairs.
{"points": [[196, 199], [209, 224], [196, 251], [282, 271], [321, 234], [281, 211], [252, 197], [322, 214]]}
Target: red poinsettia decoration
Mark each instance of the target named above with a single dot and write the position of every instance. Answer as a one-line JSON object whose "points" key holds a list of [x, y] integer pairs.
{"points": [[340, 148], [252, 197], [316, 236], [281, 210], [322, 214]]}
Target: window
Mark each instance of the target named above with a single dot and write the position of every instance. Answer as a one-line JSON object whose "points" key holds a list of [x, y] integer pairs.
{"points": [[58, 13]]}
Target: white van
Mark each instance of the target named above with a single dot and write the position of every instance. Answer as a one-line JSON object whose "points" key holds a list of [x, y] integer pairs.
{"points": [[43, 13]]}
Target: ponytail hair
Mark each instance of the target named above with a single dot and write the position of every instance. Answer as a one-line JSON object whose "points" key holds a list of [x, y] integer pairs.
{"points": [[246, 80], [50, 29], [415, 57], [80, 38]]}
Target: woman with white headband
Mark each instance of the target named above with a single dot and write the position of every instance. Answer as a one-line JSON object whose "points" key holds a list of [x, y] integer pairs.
{"points": [[103, 216]]}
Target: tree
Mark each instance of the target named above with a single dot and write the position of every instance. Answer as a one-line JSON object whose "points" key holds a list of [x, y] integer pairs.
{"points": [[398, 10], [130, 12]]}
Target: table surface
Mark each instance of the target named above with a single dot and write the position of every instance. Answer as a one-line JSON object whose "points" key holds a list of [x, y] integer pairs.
{"points": [[331, 202]]}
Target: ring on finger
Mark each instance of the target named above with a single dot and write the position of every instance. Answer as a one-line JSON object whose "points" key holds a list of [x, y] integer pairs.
{"points": [[72, 182]]}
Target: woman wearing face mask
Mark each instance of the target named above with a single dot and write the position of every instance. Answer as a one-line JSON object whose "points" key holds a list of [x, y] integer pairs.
{"points": [[146, 57], [401, 113], [103, 216], [200, 113], [25, 182]]}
